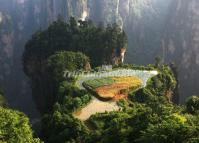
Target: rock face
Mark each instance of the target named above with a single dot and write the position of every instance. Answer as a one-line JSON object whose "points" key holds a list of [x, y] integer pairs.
{"points": [[19, 19], [163, 28], [181, 44]]}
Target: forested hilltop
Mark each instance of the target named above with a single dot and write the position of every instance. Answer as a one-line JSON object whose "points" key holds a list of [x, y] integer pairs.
{"points": [[140, 109], [166, 28], [146, 115], [99, 45]]}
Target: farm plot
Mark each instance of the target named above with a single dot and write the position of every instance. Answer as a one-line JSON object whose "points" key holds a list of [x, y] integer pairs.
{"points": [[114, 84], [95, 83], [113, 87]]}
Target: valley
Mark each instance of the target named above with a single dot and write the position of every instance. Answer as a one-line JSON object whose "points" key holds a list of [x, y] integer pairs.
{"points": [[99, 71]]}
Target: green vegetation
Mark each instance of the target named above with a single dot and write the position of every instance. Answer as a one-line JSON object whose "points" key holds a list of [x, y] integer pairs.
{"points": [[54, 74], [164, 83], [148, 115], [142, 95], [155, 122], [3, 102], [61, 61], [59, 125], [14, 125], [192, 104], [45, 83], [136, 67], [72, 98], [98, 82], [76, 36], [145, 117]]}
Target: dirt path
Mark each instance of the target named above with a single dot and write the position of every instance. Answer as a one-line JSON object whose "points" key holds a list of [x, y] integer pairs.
{"points": [[95, 106]]}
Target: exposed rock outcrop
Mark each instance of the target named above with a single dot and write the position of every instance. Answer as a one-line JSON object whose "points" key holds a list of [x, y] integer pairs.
{"points": [[181, 44]]}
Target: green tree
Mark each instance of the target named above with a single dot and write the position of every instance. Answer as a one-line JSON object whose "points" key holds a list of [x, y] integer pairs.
{"points": [[192, 104], [173, 130], [164, 83], [61, 127], [3, 102], [53, 76], [66, 61], [98, 43], [15, 127], [142, 95], [158, 62], [174, 68]]}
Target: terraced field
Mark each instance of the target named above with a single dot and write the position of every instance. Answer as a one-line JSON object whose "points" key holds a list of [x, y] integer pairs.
{"points": [[143, 75], [113, 85], [95, 83]]}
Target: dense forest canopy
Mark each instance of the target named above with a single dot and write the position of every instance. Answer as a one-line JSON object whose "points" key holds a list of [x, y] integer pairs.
{"points": [[82, 36], [147, 115], [101, 44], [154, 28], [14, 125], [142, 107], [3, 101]]}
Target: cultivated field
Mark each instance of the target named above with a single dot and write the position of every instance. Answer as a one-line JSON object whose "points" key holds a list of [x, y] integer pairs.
{"points": [[95, 83], [117, 87], [111, 84]]}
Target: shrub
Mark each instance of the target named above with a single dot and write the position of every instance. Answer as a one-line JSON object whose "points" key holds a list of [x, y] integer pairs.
{"points": [[15, 127], [192, 104], [142, 95]]}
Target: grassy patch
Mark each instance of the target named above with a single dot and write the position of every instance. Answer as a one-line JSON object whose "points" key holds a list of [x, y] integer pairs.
{"points": [[95, 83]]}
